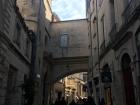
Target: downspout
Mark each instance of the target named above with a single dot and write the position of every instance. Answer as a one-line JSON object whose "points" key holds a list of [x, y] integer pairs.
{"points": [[91, 41], [98, 45], [90, 47], [37, 34], [33, 54], [43, 101], [32, 74]]}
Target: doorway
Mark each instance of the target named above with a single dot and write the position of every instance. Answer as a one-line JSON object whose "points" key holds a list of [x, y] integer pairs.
{"points": [[108, 96], [128, 80]]}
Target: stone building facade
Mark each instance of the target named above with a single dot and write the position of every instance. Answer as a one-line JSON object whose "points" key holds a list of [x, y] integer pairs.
{"points": [[16, 48], [20, 55], [15, 53], [38, 15], [68, 46], [114, 72]]}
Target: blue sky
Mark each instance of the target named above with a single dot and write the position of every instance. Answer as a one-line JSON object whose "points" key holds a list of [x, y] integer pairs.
{"points": [[69, 9]]}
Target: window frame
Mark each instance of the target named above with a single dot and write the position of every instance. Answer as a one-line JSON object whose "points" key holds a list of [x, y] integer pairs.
{"points": [[17, 34], [64, 43]]}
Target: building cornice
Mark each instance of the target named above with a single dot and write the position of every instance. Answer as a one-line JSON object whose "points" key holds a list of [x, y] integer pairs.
{"points": [[85, 19], [71, 60]]}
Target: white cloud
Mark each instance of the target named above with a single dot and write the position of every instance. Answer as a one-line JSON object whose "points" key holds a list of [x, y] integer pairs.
{"points": [[69, 9]]}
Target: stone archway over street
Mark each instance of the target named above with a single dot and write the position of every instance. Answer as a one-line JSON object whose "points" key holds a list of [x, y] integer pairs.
{"points": [[69, 49]]}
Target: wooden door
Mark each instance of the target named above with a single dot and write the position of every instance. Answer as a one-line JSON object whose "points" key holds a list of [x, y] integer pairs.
{"points": [[108, 96], [129, 88]]}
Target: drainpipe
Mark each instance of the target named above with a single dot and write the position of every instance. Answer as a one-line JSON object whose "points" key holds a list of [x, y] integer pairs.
{"points": [[33, 54], [91, 49], [91, 55], [98, 45], [32, 74]]}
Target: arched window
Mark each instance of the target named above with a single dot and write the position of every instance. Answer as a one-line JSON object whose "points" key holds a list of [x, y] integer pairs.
{"points": [[125, 62]]}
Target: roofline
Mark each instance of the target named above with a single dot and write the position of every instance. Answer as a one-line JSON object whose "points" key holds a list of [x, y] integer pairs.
{"points": [[70, 20]]}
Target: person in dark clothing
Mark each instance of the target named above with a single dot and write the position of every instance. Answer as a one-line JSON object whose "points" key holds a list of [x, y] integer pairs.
{"points": [[102, 101], [90, 101], [58, 102], [72, 103], [63, 102], [84, 101], [80, 102]]}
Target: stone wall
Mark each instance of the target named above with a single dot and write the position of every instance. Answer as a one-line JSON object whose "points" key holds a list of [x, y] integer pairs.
{"points": [[77, 38]]}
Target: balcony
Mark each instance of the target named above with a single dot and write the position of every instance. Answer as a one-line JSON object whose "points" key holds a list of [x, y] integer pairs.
{"points": [[119, 38], [130, 14], [130, 10]]}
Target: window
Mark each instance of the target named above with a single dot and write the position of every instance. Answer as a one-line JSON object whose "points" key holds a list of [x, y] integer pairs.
{"points": [[0, 12], [12, 75], [99, 3], [94, 35], [103, 27], [64, 40], [39, 37], [1, 82], [11, 85], [17, 35], [138, 39], [138, 42], [2, 4], [112, 12], [27, 53], [46, 40], [102, 46], [39, 63], [126, 2], [88, 3]]}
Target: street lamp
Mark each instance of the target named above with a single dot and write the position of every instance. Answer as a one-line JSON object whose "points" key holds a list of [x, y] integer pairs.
{"points": [[38, 76]]}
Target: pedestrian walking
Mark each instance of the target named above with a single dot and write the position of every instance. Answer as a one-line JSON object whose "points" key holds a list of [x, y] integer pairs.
{"points": [[84, 101], [63, 101], [80, 102], [57, 102], [72, 102], [90, 101], [102, 101]]}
